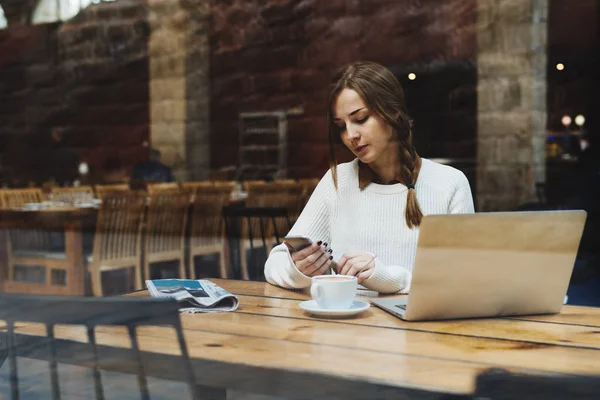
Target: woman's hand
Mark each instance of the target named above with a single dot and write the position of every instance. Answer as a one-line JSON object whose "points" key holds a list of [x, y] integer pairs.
{"points": [[360, 265], [313, 260]]}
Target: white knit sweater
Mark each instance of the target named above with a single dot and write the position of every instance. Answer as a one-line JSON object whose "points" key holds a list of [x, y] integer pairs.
{"points": [[371, 220]]}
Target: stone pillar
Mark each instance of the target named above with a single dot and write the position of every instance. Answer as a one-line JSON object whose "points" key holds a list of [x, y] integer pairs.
{"points": [[511, 101], [197, 89], [179, 85]]}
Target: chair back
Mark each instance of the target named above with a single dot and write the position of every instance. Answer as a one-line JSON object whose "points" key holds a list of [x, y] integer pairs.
{"points": [[165, 224], [153, 188], [119, 225], [258, 225], [73, 195], [275, 194], [250, 182], [206, 228], [16, 198], [193, 186], [225, 184], [89, 312], [103, 190], [499, 384], [285, 181]]}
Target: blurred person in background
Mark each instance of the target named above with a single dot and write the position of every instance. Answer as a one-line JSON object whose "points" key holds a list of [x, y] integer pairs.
{"points": [[365, 214], [63, 166], [152, 170]]}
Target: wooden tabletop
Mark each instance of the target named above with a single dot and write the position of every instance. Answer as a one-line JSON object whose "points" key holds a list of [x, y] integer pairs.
{"points": [[46, 218], [271, 340]]}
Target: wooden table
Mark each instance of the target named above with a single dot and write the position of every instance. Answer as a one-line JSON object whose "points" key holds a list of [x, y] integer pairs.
{"points": [[271, 346], [73, 221]]}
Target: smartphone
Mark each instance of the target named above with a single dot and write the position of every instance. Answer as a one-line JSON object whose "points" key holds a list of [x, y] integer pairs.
{"points": [[296, 243]]}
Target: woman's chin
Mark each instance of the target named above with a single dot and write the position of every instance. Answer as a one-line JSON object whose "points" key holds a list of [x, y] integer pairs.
{"points": [[364, 158]]}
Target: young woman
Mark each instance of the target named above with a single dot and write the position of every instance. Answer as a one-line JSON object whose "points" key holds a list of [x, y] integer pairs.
{"points": [[364, 215]]}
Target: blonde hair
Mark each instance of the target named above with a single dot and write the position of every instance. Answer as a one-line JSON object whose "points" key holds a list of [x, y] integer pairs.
{"points": [[383, 95]]}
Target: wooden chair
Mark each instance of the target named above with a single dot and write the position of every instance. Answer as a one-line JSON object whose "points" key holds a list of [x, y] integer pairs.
{"points": [[103, 190], [50, 311], [251, 182], [15, 198], [255, 227], [192, 186], [207, 233], [285, 181], [153, 188], [72, 195], [270, 195], [165, 230], [275, 194], [118, 238], [225, 184]]}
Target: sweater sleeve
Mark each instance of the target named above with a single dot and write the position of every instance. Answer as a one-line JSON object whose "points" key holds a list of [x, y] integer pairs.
{"points": [[313, 223], [388, 278]]}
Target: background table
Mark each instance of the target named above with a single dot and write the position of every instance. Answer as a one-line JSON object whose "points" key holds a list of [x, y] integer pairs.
{"points": [[73, 222], [270, 346]]}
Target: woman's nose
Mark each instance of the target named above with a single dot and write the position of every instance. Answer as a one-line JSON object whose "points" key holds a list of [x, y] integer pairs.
{"points": [[353, 133]]}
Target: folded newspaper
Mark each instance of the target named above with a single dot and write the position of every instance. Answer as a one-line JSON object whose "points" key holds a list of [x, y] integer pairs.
{"points": [[194, 295]]}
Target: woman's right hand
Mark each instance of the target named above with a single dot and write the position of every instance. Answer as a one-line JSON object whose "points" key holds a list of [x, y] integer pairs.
{"points": [[313, 260]]}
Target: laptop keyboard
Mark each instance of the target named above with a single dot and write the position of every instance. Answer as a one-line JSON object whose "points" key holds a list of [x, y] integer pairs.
{"points": [[401, 306]]}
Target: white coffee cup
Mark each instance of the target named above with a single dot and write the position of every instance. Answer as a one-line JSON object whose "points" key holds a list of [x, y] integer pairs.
{"points": [[334, 291]]}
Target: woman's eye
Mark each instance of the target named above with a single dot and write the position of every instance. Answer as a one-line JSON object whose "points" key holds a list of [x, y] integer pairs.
{"points": [[341, 128], [362, 120]]}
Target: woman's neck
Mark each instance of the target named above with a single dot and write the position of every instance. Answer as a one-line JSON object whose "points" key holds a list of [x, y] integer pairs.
{"points": [[386, 166]]}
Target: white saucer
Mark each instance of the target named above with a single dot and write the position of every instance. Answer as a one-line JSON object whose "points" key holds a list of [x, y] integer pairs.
{"points": [[357, 306]]}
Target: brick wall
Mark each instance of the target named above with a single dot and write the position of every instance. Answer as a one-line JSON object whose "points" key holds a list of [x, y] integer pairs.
{"points": [[268, 55], [179, 85], [89, 76]]}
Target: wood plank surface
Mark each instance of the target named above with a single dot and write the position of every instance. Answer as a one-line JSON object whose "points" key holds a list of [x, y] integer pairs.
{"points": [[380, 367], [270, 332], [571, 315], [498, 328]]}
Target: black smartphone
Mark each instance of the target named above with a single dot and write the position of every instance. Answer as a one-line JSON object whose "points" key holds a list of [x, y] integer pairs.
{"points": [[296, 243]]}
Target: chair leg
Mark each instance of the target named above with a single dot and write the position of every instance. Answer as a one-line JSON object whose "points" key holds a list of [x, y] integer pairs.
{"points": [[192, 274], [96, 278], [137, 272], [223, 263], [244, 246], [146, 271], [181, 268], [11, 270]]}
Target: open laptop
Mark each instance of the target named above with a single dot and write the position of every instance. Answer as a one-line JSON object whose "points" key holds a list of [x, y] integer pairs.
{"points": [[490, 265]]}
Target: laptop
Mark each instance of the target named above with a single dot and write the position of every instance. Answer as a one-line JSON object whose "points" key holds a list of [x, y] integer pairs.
{"points": [[490, 265]]}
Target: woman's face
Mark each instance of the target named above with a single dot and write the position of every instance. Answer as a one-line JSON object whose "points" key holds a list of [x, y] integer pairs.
{"points": [[366, 135]]}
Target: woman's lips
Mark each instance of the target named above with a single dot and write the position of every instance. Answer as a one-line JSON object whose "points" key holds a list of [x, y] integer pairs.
{"points": [[360, 149]]}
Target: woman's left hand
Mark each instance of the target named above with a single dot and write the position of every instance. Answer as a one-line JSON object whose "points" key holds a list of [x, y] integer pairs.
{"points": [[360, 264]]}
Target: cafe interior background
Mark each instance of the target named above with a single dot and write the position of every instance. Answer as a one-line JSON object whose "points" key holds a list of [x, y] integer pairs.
{"points": [[504, 90]]}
